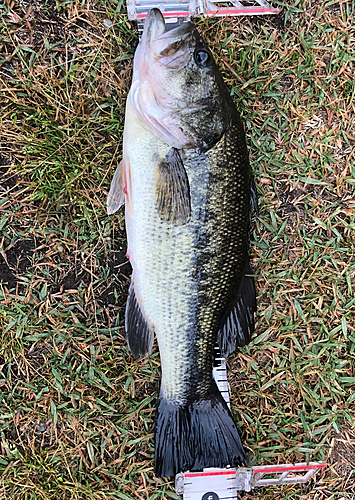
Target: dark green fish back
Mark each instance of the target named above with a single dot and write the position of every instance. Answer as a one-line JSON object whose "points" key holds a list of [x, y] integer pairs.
{"points": [[223, 254]]}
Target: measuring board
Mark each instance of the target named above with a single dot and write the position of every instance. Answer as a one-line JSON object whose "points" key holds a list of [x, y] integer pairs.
{"points": [[224, 484], [212, 484], [138, 9], [176, 12], [220, 375]]}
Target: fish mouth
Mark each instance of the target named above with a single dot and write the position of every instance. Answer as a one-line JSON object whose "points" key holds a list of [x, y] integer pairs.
{"points": [[162, 43], [154, 24]]}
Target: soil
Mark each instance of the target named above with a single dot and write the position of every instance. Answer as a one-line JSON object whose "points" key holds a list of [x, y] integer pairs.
{"points": [[121, 270], [39, 20], [15, 261], [7, 179], [275, 21], [342, 454]]}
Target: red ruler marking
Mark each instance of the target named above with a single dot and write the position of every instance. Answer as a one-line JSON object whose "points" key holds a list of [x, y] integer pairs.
{"points": [[224, 11], [258, 471], [205, 474], [250, 10], [285, 469]]}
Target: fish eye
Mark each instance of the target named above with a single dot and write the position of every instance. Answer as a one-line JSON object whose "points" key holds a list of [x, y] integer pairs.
{"points": [[203, 58]]}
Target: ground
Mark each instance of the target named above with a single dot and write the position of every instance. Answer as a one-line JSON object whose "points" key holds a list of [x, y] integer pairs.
{"points": [[76, 411]]}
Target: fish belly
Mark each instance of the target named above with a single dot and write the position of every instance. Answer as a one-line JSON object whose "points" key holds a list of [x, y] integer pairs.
{"points": [[162, 257]]}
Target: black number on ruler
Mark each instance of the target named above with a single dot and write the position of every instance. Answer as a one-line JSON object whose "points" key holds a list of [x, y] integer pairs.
{"points": [[211, 495]]}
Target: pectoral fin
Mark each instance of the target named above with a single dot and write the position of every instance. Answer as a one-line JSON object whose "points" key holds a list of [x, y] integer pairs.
{"points": [[121, 189], [173, 189], [115, 198]]}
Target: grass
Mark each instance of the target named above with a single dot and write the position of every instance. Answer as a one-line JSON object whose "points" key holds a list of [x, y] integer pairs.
{"points": [[76, 411]]}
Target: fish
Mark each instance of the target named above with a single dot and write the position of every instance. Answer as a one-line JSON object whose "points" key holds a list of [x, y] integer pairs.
{"points": [[186, 183]]}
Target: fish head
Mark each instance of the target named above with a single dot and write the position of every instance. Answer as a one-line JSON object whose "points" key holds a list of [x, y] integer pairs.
{"points": [[178, 91]]}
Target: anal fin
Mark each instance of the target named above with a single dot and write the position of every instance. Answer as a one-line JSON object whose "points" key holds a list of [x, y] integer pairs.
{"points": [[237, 325], [140, 336]]}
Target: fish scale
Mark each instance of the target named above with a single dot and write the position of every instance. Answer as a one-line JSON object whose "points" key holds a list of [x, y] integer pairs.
{"points": [[227, 210]]}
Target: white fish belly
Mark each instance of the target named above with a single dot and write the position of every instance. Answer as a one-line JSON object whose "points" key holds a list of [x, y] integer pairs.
{"points": [[162, 259]]}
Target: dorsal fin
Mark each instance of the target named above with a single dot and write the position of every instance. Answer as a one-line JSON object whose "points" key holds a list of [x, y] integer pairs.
{"points": [[237, 325]]}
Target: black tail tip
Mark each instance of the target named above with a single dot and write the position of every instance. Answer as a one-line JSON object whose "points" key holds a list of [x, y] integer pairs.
{"points": [[195, 436]]}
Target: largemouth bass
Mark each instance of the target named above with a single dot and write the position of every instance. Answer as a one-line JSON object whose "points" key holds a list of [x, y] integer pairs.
{"points": [[185, 180]]}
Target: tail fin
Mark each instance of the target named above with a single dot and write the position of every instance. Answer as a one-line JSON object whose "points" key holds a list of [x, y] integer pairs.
{"points": [[196, 435]]}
